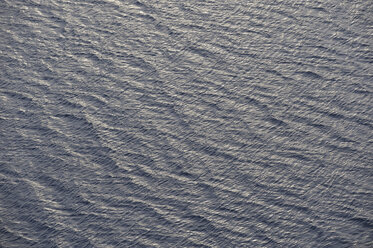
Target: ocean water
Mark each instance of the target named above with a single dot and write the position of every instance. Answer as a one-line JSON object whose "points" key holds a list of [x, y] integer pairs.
{"points": [[157, 123]]}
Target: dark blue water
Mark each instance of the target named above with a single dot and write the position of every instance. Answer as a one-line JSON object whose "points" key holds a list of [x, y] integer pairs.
{"points": [[186, 123]]}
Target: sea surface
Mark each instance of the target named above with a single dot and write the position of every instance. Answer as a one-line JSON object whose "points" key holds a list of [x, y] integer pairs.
{"points": [[155, 123]]}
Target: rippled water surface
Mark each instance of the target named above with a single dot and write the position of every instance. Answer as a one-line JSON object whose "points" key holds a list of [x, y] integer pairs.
{"points": [[186, 123]]}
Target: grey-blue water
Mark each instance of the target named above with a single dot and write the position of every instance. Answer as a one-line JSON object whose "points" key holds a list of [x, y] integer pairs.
{"points": [[186, 123]]}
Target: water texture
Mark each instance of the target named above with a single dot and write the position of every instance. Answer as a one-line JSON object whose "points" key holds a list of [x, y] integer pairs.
{"points": [[186, 123]]}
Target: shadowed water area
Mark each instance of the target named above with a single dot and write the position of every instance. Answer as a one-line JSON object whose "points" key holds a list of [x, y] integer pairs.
{"points": [[186, 123]]}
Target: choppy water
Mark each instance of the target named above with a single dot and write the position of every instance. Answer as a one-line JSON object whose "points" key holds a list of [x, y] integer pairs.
{"points": [[186, 123]]}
